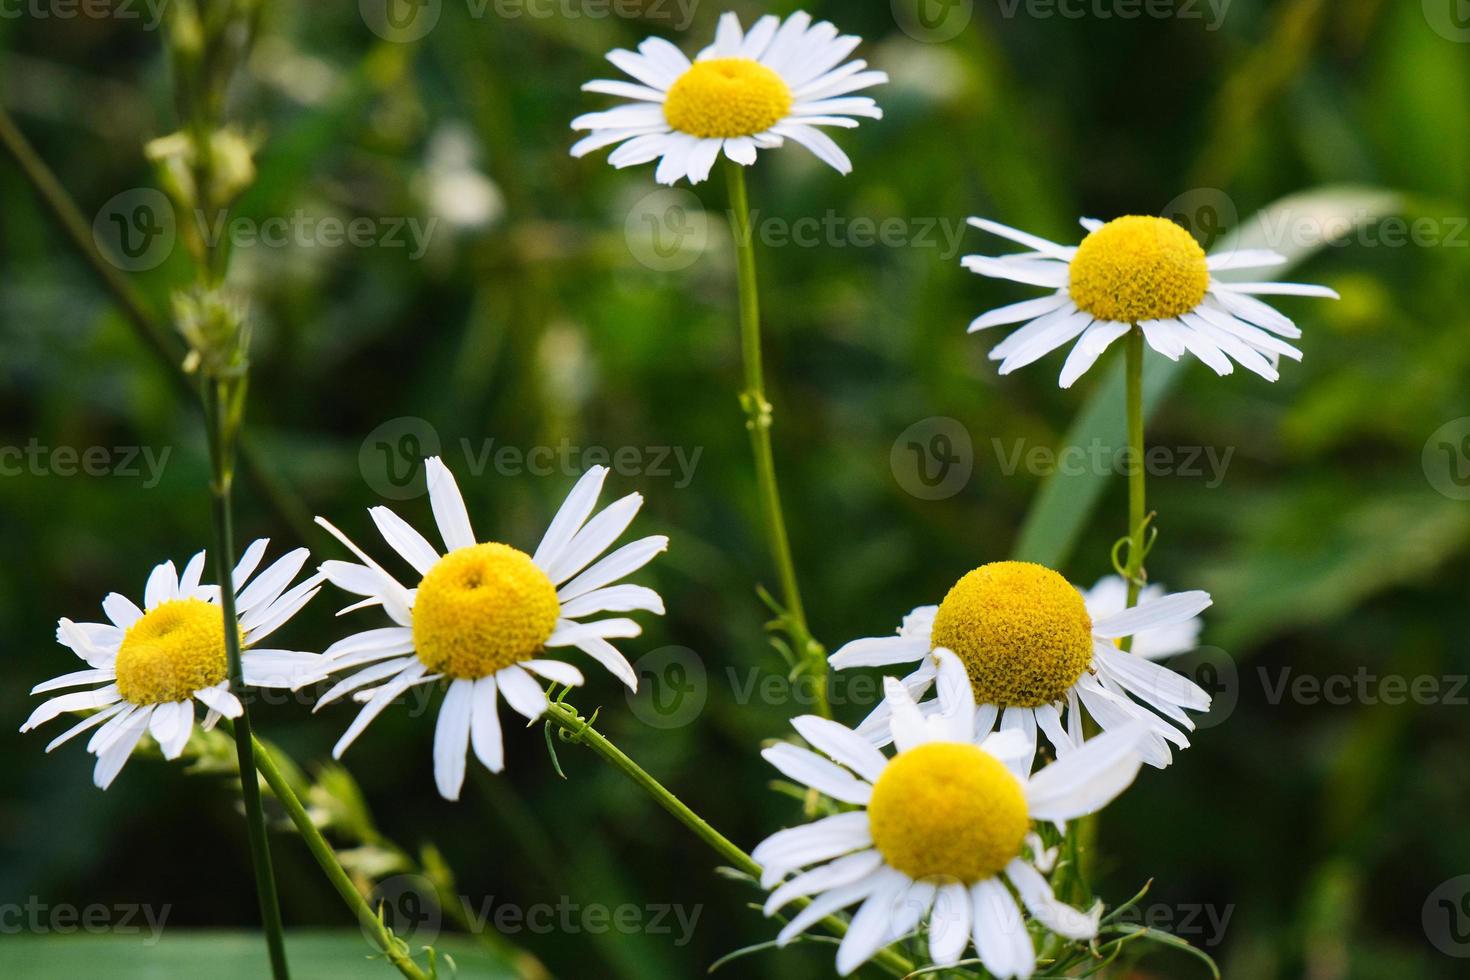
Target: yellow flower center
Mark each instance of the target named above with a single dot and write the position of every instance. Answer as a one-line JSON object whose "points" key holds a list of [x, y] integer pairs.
{"points": [[481, 609], [1021, 630], [727, 97], [948, 809], [177, 648], [1138, 268]]}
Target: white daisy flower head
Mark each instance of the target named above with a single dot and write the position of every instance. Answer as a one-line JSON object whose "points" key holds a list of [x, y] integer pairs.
{"points": [[943, 829], [1038, 655], [484, 614], [1144, 273], [747, 91], [156, 662]]}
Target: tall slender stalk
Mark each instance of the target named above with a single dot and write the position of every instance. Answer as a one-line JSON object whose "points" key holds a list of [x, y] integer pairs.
{"points": [[579, 729], [1137, 507], [758, 418], [391, 947], [220, 403]]}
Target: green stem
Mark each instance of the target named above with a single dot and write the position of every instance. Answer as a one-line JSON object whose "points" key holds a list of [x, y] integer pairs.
{"points": [[216, 398], [758, 418], [579, 729], [390, 945], [1137, 507]]}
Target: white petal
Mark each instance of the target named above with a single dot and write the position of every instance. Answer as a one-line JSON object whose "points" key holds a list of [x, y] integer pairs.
{"points": [[594, 538], [76, 701], [556, 671], [521, 692], [843, 871], [404, 539], [170, 725], [485, 737], [1087, 779], [110, 761], [448, 506], [1017, 312], [812, 770], [248, 563], [163, 585], [617, 598], [452, 738], [1175, 608], [375, 705], [879, 651], [220, 699], [607, 655], [75, 679], [1089, 347], [842, 744], [121, 610], [625, 561], [949, 926], [569, 519], [1000, 934], [87, 723], [868, 931], [1058, 917]]}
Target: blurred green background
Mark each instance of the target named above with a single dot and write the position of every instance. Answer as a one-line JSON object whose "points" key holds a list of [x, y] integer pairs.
{"points": [[1299, 837]]}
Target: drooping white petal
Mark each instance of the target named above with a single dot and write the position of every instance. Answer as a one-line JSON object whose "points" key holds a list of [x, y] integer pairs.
{"points": [[521, 692], [1177, 607], [375, 705], [452, 738], [485, 736], [1089, 778], [1056, 916]]}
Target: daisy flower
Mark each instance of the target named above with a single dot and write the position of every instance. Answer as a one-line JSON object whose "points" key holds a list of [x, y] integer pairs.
{"points": [[745, 92], [483, 615], [1138, 272], [153, 663], [942, 829], [1038, 654]]}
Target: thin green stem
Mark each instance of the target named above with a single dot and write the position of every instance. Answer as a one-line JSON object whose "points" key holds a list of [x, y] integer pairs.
{"points": [[758, 419], [391, 946], [221, 455], [579, 729], [1137, 506]]}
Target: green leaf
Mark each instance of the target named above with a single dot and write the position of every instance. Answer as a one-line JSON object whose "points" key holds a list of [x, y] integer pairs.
{"points": [[1067, 499], [225, 955]]}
